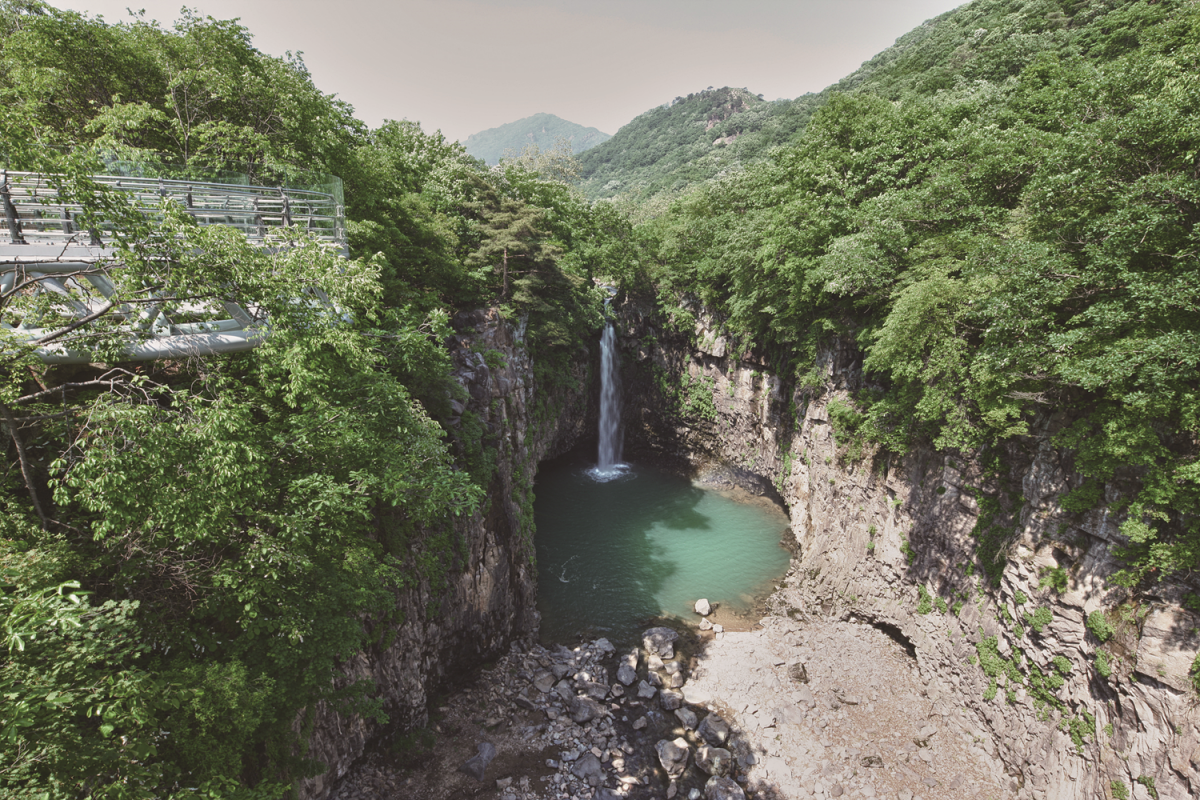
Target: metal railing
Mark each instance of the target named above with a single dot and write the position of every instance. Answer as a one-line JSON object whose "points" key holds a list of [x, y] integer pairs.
{"points": [[36, 215], [50, 247]]}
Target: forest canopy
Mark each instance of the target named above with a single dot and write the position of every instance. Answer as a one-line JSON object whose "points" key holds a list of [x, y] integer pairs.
{"points": [[998, 214]]}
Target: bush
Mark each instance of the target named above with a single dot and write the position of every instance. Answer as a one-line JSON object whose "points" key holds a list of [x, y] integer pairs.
{"points": [[1039, 619], [1103, 665], [1055, 578], [1098, 624]]}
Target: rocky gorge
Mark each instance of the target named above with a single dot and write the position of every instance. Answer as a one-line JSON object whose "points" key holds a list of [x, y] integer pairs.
{"points": [[946, 628]]}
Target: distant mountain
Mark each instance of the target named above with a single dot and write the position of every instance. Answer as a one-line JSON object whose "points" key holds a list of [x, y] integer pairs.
{"points": [[540, 129], [715, 132], [689, 140]]}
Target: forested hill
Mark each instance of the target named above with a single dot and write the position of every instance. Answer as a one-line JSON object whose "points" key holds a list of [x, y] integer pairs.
{"points": [[543, 130], [717, 132], [1002, 218]]}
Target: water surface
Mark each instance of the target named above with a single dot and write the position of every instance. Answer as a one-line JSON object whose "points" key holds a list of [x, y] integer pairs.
{"points": [[614, 554]]}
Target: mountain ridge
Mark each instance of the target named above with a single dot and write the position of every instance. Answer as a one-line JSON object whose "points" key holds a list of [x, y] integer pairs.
{"points": [[541, 129]]}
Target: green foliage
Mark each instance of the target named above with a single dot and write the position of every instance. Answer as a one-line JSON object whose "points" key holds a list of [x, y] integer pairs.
{"points": [[1103, 665], [1053, 577], [940, 605], [1119, 790], [1039, 618], [846, 422], [1062, 665], [924, 600], [972, 213], [1084, 498], [1099, 625], [1019, 598], [1148, 782], [1194, 674]]}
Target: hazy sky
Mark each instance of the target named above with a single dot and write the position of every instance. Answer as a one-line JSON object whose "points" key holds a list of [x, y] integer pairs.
{"points": [[468, 65]]}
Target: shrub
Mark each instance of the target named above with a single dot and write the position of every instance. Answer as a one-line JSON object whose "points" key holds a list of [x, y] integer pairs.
{"points": [[1019, 598], [1098, 624], [1148, 782], [925, 601], [1120, 791], [1039, 618], [1055, 578], [1103, 666]]}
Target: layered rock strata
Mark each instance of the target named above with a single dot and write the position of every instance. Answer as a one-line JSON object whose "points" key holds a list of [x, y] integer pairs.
{"points": [[1082, 686]]}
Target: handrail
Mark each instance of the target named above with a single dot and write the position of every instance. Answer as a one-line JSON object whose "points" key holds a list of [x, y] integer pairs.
{"points": [[44, 251], [35, 215]]}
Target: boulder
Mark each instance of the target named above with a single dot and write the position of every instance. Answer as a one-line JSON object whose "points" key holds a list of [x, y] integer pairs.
{"points": [[584, 709], [645, 690], [714, 730], [670, 700], [714, 760], [477, 765], [588, 769], [686, 717], [626, 674], [703, 608], [673, 756], [660, 641], [719, 788]]}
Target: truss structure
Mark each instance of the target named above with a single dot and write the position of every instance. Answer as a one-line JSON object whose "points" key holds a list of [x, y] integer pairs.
{"points": [[46, 258]]}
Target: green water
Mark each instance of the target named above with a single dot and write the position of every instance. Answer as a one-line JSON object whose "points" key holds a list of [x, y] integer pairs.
{"points": [[613, 555]]}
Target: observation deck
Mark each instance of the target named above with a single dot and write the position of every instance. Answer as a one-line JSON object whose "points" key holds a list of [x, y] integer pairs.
{"points": [[49, 252]]}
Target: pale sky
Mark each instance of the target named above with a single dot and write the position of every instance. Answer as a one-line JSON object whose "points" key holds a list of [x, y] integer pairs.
{"points": [[463, 66]]}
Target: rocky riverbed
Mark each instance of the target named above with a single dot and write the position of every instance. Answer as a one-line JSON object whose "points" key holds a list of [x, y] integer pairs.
{"points": [[788, 709]]}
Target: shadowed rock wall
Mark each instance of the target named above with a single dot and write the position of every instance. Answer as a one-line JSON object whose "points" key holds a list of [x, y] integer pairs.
{"points": [[458, 618]]}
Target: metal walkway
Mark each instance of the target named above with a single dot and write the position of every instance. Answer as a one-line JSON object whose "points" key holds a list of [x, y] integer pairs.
{"points": [[59, 269]]}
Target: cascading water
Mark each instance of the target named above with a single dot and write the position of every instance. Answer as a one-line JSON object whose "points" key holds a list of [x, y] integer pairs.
{"points": [[608, 464]]}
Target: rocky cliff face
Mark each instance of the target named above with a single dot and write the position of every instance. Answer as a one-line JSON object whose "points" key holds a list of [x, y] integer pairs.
{"points": [[468, 612], [1003, 593]]}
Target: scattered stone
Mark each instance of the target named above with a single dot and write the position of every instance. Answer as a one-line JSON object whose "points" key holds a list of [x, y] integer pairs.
{"points": [[597, 691], [544, 681], [670, 700], [714, 760], [723, 789], [798, 673], [584, 709], [714, 730], [605, 646], [588, 769], [476, 766], [705, 625], [871, 761], [639, 724], [645, 690], [673, 755], [660, 641], [836, 790], [703, 608], [686, 717], [626, 674]]}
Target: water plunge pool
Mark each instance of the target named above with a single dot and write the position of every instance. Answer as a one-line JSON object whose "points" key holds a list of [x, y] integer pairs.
{"points": [[615, 554]]}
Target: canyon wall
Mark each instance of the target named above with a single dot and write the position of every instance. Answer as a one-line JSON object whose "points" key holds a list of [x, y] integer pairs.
{"points": [[466, 612], [969, 557]]}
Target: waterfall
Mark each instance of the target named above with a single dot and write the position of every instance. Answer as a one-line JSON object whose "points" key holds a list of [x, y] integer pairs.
{"points": [[610, 399], [608, 464]]}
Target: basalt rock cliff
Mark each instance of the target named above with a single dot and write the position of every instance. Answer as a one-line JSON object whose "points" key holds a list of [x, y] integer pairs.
{"points": [[1003, 594], [451, 623]]}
